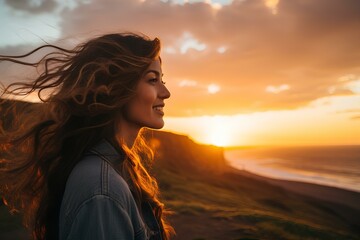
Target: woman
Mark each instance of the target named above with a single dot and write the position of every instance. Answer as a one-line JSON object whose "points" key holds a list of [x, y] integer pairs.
{"points": [[77, 161]]}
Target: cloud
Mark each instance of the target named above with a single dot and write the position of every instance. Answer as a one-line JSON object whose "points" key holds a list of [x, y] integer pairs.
{"points": [[32, 6], [11, 72], [185, 43], [170, 50], [353, 112], [349, 111], [353, 86], [347, 78], [355, 117], [277, 89], [347, 84], [307, 44], [221, 49], [187, 83], [188, 42]]}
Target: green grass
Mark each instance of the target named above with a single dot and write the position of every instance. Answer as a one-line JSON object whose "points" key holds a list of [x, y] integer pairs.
{"points": [[238, 210], [252, 213]]}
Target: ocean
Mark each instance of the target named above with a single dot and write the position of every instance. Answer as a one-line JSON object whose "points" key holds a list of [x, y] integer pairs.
{"points": [[337, 166]]}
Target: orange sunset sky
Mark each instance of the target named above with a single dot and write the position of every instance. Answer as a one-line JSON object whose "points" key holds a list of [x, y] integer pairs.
{"points": [[241, 72]]}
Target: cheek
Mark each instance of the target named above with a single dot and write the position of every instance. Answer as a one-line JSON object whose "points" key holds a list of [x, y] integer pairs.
{"points": [[138, 107], [142, 102], [146, 98]]}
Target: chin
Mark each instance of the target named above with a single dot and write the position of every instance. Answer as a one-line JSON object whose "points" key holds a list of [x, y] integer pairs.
{"points": [[157, 125]]}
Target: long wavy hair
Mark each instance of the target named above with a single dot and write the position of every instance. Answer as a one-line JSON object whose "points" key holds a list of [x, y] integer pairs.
{"points": [[82, 90]]}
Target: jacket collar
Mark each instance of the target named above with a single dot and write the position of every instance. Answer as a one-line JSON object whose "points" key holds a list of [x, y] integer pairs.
{"points": [[108, 152], [115, 155]]}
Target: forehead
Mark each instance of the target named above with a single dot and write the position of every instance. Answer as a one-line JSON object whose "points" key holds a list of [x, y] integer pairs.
{"points": [[155, 66]]}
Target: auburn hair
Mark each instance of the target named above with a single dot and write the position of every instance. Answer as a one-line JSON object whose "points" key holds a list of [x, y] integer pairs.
{"points": [[81, 91]]}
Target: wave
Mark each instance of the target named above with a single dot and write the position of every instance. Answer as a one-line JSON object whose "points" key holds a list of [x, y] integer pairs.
{"points": [[338, 172]]}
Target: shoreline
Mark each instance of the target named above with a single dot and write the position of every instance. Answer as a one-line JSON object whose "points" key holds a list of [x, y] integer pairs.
{"points": [[330, 166], [332, 194], [289, 176]]}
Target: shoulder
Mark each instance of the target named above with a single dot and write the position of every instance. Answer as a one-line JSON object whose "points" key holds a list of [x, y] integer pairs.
{"points": [[101, 217], [98, 204], [95, 190], [95, 176]]}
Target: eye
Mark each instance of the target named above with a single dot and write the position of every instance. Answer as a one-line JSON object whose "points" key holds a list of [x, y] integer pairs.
{"points": [[163, 82], [153, 80]]}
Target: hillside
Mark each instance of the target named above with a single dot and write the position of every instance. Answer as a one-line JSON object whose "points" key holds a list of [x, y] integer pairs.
{"points": [[211, 200], [179, 153]]}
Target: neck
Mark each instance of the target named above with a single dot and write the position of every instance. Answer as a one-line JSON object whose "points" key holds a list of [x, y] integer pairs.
{"points": [[128, 140], [126, 134]]}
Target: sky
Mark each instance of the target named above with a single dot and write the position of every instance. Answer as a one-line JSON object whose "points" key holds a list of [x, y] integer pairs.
{"points": [[241, 72]]}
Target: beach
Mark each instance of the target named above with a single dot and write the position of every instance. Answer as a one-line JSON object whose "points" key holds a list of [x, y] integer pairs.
{"points": [[212, 200], [335, 166]]}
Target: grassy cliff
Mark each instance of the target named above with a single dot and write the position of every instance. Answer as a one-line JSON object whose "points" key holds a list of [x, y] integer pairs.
{"points": [[211, 200]]}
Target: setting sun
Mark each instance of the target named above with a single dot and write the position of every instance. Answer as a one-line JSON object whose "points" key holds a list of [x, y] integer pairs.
{"points": [[242, 117], [314, 124], [219, 134]]}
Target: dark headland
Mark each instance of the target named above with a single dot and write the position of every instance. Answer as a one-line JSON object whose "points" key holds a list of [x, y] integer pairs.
{"points": [[211, 200]]}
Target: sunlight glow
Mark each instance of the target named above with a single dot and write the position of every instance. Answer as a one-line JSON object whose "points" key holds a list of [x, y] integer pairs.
{"points": [[213, 88], [316, 124], [272, 4], [219, 131]]}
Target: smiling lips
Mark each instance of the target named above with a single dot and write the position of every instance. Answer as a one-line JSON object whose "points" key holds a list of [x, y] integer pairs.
{"points": [[159, 108]]}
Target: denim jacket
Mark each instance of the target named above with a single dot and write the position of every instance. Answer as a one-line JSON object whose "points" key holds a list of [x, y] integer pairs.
{"points": [[98, 204]]}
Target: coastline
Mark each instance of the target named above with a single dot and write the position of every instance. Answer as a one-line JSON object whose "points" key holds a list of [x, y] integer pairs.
{"points": [[321, 192], [210, 199], [243, 205], [328, 166]]}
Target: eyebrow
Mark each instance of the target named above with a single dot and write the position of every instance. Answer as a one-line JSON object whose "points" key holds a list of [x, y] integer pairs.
{"points": [[154, 71]]}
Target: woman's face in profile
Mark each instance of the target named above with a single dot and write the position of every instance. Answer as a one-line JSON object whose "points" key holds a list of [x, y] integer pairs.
{"points": [[146, 109]]}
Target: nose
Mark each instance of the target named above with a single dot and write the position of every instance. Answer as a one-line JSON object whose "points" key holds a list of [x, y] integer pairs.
{"points": [[164, 92]]}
